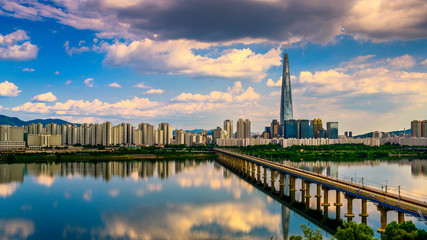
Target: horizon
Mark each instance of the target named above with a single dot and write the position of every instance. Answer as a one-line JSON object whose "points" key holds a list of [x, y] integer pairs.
{"points": [[98, 61]]}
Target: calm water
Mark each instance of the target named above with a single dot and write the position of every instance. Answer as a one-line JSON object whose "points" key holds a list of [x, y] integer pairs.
{"points": [[168, 200]]}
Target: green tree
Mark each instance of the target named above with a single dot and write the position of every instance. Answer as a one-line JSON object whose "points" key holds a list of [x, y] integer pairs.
{"points": [[403, 231], [354, 231], [309, 234]]}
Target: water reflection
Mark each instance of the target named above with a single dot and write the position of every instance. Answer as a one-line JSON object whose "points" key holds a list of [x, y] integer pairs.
{"points": [[150, 200]]}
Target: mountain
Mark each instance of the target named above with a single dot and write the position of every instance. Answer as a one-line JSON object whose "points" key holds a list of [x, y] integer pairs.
{"points": [[370, 134], [13, 121]]}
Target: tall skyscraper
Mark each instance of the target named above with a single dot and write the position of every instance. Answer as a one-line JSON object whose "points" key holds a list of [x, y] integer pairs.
{"points": [[228, 126], [317, 125], [275, 129], [243, 128], [332, 130], [286, 111]]}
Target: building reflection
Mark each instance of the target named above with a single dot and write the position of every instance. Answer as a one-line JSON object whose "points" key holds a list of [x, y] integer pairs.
{"points": [[10, 173]]}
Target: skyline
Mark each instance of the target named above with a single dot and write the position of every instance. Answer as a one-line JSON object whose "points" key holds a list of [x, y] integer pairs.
{"points": [[144, 61]]}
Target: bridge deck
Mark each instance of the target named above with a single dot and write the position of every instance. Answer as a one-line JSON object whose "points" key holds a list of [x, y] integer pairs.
{"points": [[401, 203]]}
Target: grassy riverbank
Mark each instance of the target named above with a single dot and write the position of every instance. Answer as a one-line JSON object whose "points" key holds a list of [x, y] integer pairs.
{"points": [[120, 154], [337, 152]]}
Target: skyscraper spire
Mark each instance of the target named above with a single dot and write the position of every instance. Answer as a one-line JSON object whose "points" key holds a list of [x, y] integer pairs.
{"points": [[286, 111]]}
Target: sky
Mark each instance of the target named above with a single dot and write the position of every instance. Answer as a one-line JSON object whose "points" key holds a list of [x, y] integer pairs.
{"points": [[193, 63]]}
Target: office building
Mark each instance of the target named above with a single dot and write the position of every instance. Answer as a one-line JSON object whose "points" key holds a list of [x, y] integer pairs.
{"points": [[317, 125], [305, 128], [291, 128], [332, 130], [275, 129]]}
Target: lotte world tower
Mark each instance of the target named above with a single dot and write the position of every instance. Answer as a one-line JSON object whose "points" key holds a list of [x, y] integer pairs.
{"points": [[286, 111]]}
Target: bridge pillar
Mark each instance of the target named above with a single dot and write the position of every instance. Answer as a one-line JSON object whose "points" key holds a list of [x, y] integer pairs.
{"points": [[249, 169], [273, 190], [282, 184], [265, 176], [364, 213], [349, 214], [318, 197], [258, 173], [307, 195], [325, 203], [400, 217], [292, 188], [302, 190], [338, 205], [253, 171], [383, 219]]}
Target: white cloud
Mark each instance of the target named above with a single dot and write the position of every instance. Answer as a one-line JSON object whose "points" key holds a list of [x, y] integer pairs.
{"points": [[56, 73], [141, 85], [68, 82], [88, 82], [14, 46], [8, 89], [154, 91], [74, 50], [177, 57], [249, 95], [214, 96], [424, 63], [236, 89], [28, 70], [271, 83], [31, 107], [405, 61], [114, 85], [45, 97]]}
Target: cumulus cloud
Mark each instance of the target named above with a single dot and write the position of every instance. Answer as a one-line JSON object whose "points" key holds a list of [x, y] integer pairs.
{"points": [[141, 85], [17, 47], [154, 91], [45, 97], [271, 83], [88, 82], [8, 89], [74, 50], [56, 73], [178, 57], [114, 85], [423, 63], [68, 82], [28, 70]]}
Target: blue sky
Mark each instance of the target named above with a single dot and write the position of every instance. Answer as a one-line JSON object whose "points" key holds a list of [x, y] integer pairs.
{"points": [[196, 63]]}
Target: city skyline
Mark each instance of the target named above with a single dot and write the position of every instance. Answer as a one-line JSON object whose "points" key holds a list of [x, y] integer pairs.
{"points": [[98, 61]]}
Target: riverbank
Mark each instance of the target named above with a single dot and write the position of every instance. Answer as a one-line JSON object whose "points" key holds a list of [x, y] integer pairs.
{"points": [[338, 152], [126, 155]]}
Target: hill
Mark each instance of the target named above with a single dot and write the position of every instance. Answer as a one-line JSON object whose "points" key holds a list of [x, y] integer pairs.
{"points": [[14, 121], [370, 134]]}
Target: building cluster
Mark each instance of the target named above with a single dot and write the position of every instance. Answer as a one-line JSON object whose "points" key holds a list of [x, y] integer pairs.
{"points": [[243, 128], [38, 135], [301, 129], [419, 128]]}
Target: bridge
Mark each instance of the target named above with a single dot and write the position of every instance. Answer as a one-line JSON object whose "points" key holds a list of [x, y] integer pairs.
{"points": [[251, 167]]}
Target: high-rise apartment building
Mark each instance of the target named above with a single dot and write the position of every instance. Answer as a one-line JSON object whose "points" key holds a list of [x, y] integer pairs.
{"points": [[247, 127], [240, 129], [228, 126], [286, 110], [424, 128], [416, 128], [332, 130]]}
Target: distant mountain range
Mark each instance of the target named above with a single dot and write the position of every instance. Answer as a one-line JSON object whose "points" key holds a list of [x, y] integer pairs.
{"points": [[370, 134], [13, 121]]}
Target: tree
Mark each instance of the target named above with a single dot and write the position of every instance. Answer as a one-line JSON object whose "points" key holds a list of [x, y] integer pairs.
{"points": [[403, 231], [354, 231], [309, 234]]}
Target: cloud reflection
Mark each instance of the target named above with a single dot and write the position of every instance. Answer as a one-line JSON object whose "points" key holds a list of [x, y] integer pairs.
{"points": [[8, 189], [235, 219], [45, 180], [15, 229]]}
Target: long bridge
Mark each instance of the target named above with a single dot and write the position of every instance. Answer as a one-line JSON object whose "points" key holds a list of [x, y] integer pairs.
{"points": [[251, 167]]}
